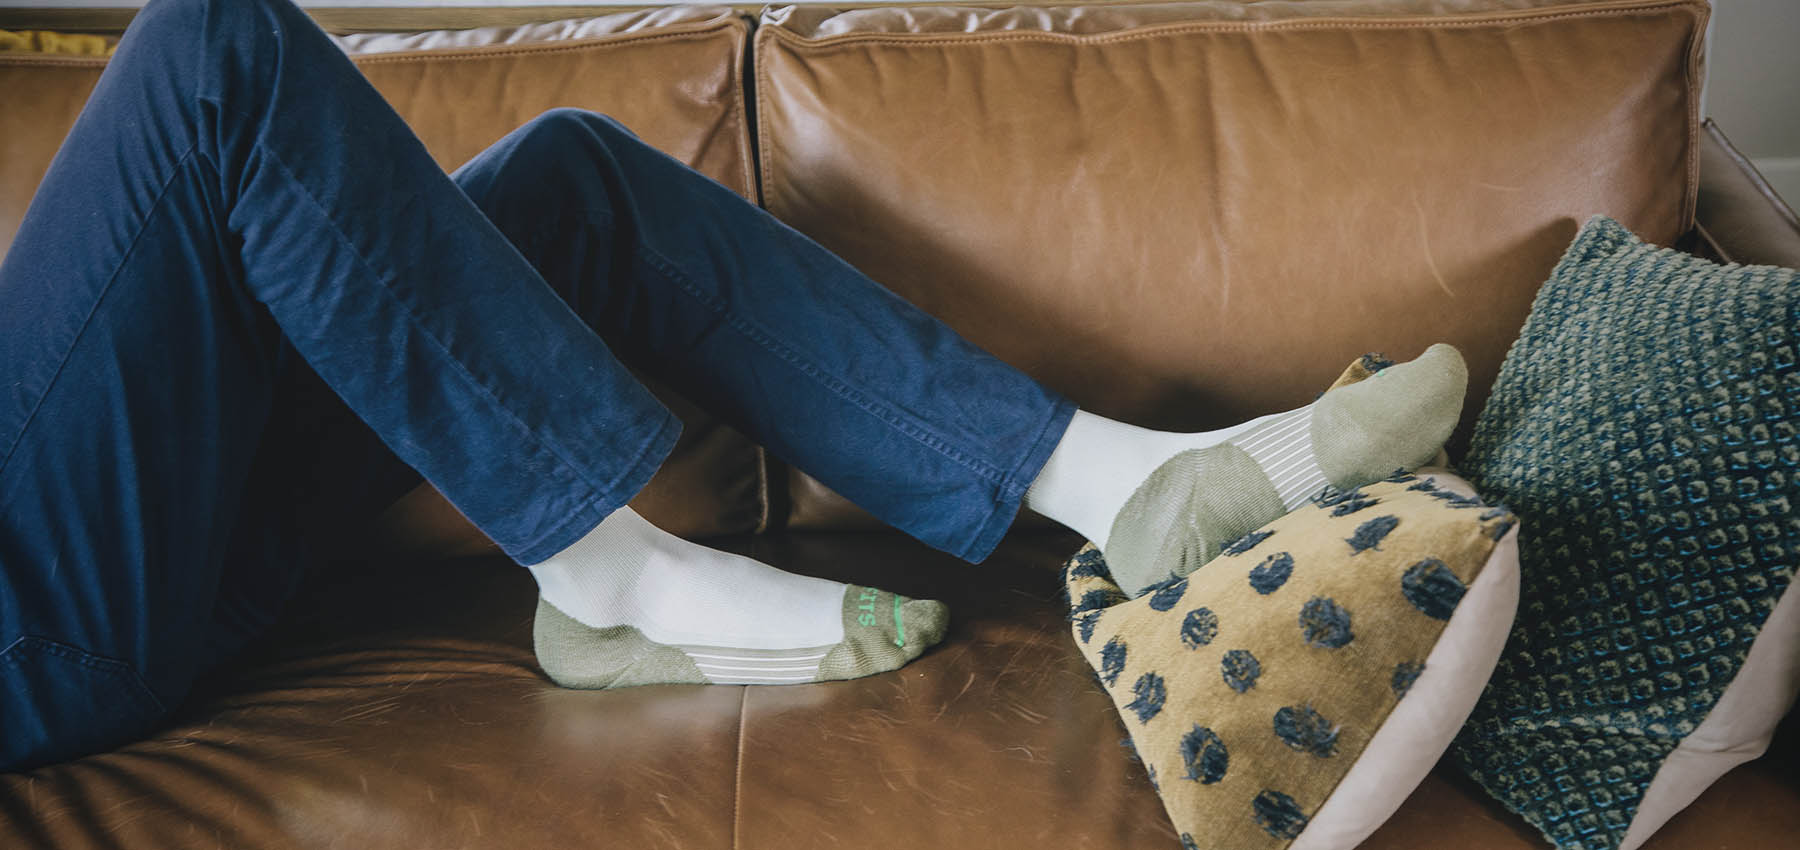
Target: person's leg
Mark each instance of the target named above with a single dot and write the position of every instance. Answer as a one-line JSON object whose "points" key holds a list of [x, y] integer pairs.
{"points": [[864, 391], [235, 188], [235, 200], [714, 296], [319, 479], [1160, 505]]}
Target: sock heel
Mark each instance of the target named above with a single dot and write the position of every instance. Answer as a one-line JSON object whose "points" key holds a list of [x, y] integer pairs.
{"points": [[576, 655]]}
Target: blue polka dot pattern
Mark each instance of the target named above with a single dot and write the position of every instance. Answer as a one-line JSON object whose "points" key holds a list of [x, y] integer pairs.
{"points": [[1259, 752], [1344, 502], [1112, 661], [1306, 730], [1352, 505], [1643, 427], [1458, 500], [1405, 674], [1149, 692], [1370, 534], [1085, 623], [1204, 755], [1325, 623], [1268, 576], [1096, 600], [1432, 588], [1240, 669], [1167, 595], [1278, 814], [1199, 628], [1246, 543], [1088, 563]]}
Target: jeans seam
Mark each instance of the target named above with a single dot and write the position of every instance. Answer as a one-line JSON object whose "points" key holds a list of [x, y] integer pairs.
{"points": [[598, 499], [88, 320], [1013, 490], [91, 660], [579, 512], [836, 385], [1013, 485], [426, 334]]}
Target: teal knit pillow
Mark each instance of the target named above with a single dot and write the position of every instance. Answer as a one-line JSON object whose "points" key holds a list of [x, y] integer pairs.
{"points": [[1643, 429]]}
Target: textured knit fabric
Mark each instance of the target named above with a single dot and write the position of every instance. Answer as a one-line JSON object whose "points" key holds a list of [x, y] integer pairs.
{"points": [[1250, 687], [1643, 427]]}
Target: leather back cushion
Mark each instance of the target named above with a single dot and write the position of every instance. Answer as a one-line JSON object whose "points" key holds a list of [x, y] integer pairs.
{"points": [[1184, 215], [673, 75]]}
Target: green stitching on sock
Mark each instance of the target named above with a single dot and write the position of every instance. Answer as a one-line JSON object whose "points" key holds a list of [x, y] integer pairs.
{"points": [[899, 625], [867, 606]]}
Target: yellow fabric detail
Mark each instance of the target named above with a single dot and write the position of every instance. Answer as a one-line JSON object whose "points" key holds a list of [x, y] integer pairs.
{"points": [[1251, 686], [58, 43]]}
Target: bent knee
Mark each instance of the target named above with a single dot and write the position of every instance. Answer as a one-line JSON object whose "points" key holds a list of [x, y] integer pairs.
{"points": [[567, 122]]}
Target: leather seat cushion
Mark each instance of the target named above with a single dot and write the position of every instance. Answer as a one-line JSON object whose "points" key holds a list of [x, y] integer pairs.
{"points": [[369, 723]]}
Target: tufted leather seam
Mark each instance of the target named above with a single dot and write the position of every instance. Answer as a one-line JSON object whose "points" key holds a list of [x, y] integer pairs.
{"points": [[737, 781], [1690, 197], [65, 61], [765, 151], [1189, 27], [681, 31]]}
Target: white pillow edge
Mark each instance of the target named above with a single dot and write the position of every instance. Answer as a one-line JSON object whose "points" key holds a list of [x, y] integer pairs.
{"points": [[1737, 730], [1420, 728]]}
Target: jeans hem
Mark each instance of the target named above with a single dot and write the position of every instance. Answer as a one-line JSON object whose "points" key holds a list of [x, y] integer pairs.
{"points": [[1012, 492], [564, 534]]}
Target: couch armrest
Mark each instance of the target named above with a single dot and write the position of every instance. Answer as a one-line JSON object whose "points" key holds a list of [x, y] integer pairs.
{"points": [[1739, 218]]}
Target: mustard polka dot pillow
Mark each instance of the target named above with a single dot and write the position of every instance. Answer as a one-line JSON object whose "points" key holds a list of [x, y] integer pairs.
{"points": [[1294, 690]]}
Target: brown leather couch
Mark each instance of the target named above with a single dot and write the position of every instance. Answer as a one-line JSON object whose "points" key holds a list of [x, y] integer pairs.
{"points": [[1178, 214]]}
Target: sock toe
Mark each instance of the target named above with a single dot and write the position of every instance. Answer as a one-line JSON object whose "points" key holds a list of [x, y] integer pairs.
{"points": [[1184, 514], [925, 621], [883, 631], [1396, 419]]}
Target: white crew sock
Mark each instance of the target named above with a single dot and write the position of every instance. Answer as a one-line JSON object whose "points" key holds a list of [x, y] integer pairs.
{"points": [[1100, 462], [738, 620]]}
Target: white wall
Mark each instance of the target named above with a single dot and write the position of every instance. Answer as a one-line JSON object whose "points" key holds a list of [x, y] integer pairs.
{"points": [[1753, 85]]}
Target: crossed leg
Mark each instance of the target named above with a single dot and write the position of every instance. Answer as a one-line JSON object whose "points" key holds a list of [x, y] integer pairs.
{"points": [[237, 211]]}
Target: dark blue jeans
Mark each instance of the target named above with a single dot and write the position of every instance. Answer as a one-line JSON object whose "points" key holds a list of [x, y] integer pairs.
{"points": [[245, 305]]}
